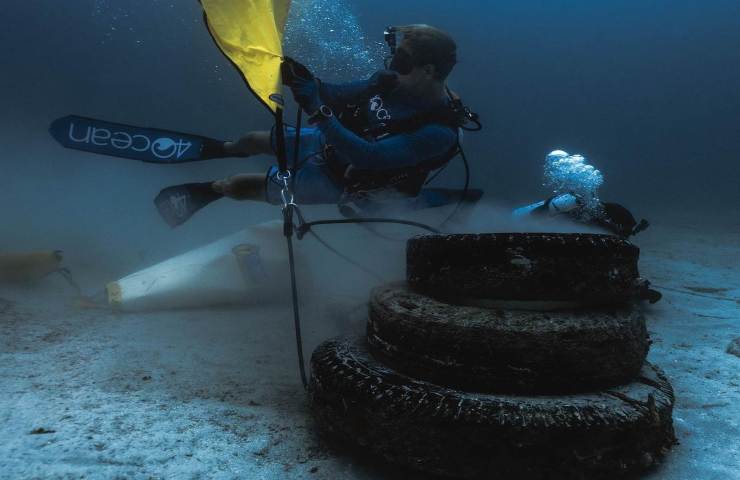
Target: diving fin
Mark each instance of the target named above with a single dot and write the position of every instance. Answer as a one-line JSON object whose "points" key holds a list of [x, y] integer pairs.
{"points": [[135, 143], [653, 296], [177, 204]]}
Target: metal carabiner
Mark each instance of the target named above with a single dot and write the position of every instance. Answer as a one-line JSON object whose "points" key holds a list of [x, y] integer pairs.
{"points": [[286, 194]]}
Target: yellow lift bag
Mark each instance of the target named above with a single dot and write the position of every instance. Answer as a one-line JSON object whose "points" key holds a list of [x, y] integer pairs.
{"points": [[250, 34]]}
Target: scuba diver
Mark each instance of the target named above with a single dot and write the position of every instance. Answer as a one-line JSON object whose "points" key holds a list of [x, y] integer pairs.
{"points": [[367, 141], [610, 216], [383, 135], [574, 184]]}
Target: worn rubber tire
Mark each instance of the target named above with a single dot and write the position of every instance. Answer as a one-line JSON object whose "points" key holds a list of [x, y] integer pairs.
{"points": [[484, 350], [359, 401], [582, 268]]}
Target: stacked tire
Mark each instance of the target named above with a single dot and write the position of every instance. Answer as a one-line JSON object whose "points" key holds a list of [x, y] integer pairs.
{"points": [[503, 356]]}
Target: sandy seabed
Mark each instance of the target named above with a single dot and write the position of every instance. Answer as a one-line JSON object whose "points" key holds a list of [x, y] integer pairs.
{"points": [[216, 393]]}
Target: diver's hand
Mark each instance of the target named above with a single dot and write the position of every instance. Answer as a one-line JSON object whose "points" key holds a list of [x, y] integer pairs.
{"points": [[307, 94], [293, 70], [383, 81], [303, 84]]}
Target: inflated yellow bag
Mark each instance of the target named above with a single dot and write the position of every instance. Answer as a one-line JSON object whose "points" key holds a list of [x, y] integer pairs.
{"points": [[250, 34]]}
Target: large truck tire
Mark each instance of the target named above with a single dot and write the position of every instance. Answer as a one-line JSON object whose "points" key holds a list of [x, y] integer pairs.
{"points": [[485, 350], [583, 269], [359, 401]]}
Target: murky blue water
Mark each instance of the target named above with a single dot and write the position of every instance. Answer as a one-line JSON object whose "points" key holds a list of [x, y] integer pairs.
{"points": [[647, 92], [643, 95]]}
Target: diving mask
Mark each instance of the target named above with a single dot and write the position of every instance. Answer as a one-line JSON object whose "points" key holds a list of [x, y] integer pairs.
{"points": [[400, 61]]}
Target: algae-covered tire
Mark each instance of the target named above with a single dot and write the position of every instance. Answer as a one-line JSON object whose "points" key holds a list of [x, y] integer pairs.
{"points": [[581, 268], [486, 350], [359, 401]]}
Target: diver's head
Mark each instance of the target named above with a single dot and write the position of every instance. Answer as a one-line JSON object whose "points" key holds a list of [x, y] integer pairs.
{"points": [[425, 55]]}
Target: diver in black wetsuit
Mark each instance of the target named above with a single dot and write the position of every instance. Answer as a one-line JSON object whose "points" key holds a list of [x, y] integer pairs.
{"points": [[610, 216], [388, 132]]}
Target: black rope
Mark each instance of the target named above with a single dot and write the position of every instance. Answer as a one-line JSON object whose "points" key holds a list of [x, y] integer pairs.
{"points": [[439, 171], [296, 312], [304, 228], [466, 188], [695, 294], [381, 235], [346, 258], [66, 274], [291, 254], [296, 147], [289, 230]]}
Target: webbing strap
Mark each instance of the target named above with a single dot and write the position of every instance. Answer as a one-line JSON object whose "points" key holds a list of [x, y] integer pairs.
{"points": [[280, 141]]}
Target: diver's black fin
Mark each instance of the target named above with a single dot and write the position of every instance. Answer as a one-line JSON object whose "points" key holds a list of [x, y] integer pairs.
{"points": [[177, 204], [641, 227], [653, 296], [135, 143]]}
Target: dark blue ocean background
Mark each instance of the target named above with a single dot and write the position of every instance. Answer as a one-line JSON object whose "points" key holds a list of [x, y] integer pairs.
{"points": [[647, 90]]}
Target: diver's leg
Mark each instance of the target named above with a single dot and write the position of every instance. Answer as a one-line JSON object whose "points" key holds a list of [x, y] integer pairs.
{"points": [[253, 143], [244, 186], [312, 185]]}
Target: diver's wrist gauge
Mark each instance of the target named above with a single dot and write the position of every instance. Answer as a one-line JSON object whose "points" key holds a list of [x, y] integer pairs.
{"points": [[324, 112]]}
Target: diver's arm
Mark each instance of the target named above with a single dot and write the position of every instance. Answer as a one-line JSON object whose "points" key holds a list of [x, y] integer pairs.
{"points": [[338, 96], [403, 150]]}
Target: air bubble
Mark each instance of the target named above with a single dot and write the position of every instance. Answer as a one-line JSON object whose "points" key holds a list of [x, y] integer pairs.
{"points": [[566, 173], [326, 36]]}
